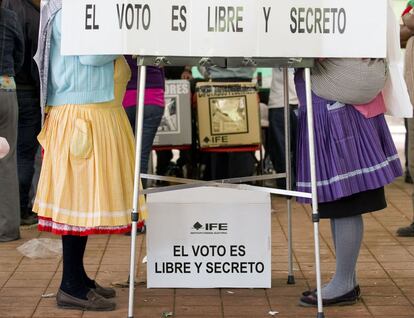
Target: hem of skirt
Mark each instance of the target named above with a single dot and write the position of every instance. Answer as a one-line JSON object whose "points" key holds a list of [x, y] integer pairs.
{"points": [[352, 213], [47, 211], [358, 204], [344, 193], [48, 225]]}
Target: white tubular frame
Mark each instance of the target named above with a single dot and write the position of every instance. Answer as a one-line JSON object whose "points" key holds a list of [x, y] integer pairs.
{"points": [[188, 183], [137, 188], [288, 170], [315, 214]]}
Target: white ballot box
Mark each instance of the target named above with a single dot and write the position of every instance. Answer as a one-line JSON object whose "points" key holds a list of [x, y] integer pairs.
{"points": [[209, 237]]}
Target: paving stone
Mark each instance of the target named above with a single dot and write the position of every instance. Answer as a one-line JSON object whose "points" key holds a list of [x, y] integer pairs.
{"points": [[18, 302], [234, 300], [198, 292], [16, 312], [390, 311], [381, 291], [155, 301], [198, 311], [36, 268], [8, 267], [117, 313], [188, 301], [54, 312], [21, 292], [32, 275], [386, 300], [24, 283], [247, 311]]}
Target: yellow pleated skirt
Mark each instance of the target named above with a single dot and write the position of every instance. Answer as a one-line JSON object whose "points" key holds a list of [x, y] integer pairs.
{"points": [[87, 176]]}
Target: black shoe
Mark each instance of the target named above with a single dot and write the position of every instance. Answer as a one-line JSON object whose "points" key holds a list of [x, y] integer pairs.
{"points": [[407, 231], [408, 179], [28, 219], [311, 300], [357, 289]]}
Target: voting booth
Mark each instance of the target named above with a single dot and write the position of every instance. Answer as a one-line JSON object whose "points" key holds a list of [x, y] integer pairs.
{"points": [[236, 33]]}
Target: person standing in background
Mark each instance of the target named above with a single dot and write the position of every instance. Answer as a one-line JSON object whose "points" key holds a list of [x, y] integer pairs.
{"points": [[407, 42], [154, 105], [277, 123], [4, 147], [28, 97], [11, 60]]}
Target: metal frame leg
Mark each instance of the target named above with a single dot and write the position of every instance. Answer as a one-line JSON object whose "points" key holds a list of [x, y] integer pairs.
{"points": [[315, 214], [288, 170], [137, 190]]}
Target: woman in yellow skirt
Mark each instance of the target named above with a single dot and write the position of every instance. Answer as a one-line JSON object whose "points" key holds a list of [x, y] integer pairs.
{"points": [[86, 182]]}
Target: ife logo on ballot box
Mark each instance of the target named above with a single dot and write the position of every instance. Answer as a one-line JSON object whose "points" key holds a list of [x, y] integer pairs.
{"points": [[209, 237], [226, 28]]}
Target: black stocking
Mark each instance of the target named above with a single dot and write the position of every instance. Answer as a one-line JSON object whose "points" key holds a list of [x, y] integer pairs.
{"points": [[88, 282], [72, 280]]}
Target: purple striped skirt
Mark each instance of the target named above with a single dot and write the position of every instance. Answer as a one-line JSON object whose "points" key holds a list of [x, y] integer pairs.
{"points": [[353, 153]]}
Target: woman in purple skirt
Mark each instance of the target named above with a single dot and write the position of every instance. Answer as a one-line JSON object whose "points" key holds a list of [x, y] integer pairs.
{"points": [[355, 159]]}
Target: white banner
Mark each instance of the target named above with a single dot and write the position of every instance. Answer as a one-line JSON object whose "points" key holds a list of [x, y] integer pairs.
{"points": [[207, 238], [226, 28]]}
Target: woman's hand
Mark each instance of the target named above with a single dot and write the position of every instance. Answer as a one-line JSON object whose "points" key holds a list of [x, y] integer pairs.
{"points": [[4, 147], [405, 34], [408, 21]]}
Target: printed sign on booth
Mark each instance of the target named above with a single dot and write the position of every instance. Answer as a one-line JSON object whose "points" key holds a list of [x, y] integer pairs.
{"points": [[223, 28], [209, 237], [175, 126]]}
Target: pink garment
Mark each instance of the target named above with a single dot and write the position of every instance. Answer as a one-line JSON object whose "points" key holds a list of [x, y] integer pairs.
{"points": [[153, 96], [373, 108]]}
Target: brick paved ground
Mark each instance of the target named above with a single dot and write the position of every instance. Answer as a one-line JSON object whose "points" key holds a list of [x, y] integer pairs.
{"points": [[385, 271]]}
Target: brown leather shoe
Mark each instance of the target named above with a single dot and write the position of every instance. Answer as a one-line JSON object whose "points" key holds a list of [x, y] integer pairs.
{"points": [[105, 292], [94, 302]]}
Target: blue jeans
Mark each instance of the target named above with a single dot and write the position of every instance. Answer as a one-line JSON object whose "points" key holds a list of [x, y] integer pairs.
{"points": [[277, 142], [152, 118], [29, 126]]}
